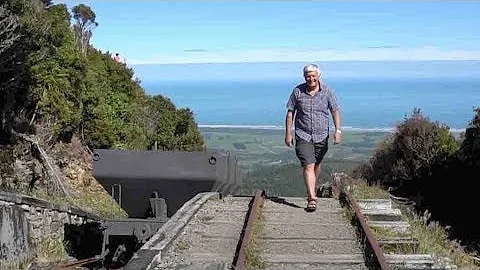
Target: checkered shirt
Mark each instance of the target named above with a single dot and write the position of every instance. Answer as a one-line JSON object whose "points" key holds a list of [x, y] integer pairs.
{"points": [[311, 113]]}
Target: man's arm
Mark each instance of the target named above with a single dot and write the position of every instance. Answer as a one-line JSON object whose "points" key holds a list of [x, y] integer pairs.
{"points": [[335, 111], [336, 119], [291, 108], [337, 136], [288, 128]]}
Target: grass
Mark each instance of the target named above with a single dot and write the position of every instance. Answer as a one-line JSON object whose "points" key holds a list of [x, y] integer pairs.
{"points": [[433, 239], [13, 265], [385, 233], [400, 248], [253, 258], [51, 249], [361, 190], [97, 201]]}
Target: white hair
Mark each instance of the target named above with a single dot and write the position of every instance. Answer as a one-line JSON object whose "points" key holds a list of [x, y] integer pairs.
{"points": [[310, 68]]}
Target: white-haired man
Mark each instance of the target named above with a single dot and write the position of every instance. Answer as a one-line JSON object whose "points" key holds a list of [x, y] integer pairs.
{"points": [[308, 109]]}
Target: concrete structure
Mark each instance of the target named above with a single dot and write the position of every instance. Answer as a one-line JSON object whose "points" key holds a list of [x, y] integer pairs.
{"points": [[27, 221]]}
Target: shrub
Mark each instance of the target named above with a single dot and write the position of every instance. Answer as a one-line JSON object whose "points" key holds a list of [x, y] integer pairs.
{"points": [[408, 155]]}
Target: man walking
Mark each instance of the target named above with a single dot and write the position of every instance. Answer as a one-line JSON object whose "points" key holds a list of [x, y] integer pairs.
{"points": [[310, 104]]}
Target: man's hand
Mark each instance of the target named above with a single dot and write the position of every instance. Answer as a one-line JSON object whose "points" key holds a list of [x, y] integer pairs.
{"points": [[337, 137], [289, 140]]}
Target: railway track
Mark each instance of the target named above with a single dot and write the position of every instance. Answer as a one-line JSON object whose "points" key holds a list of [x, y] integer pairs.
{"points": [[262, 232], [255, 232]]}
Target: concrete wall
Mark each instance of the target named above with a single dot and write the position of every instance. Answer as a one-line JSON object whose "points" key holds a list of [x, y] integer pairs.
{"points": [[25, 221]]}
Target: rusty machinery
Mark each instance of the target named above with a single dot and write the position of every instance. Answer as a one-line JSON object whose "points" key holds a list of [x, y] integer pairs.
{"points": [[151, 186]]}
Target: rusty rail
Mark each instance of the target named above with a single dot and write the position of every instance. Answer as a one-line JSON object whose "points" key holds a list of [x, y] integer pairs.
{"points": [[240, 259], [78, 263], [371, 239]]}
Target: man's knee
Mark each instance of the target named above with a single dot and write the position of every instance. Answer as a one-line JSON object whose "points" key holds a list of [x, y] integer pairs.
{"points": [[309, 167]]}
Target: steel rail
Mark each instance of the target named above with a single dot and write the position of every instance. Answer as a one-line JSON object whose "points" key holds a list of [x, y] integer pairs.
{"points": [[240, 260], [77, 263], [372, 241]]}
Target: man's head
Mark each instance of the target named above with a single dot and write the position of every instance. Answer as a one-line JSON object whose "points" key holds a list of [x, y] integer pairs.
{"points": [[311, 73]]}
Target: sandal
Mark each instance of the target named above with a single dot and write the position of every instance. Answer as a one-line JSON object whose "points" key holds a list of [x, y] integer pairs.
{"points": [[311, 205]]}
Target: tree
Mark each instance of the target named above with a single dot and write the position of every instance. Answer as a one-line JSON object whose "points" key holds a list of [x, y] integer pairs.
{"points": [[13, 70], [84, 25], [9, 34]]}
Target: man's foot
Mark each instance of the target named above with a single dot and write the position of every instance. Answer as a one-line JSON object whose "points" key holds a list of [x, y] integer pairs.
{"points": [[311, 205]]}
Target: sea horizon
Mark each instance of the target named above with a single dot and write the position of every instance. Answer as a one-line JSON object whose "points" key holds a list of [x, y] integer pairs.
{"points": [[343, 128], [278, 70], [365, 105]]}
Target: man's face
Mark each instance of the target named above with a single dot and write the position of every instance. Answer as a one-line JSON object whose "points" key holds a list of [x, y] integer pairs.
{"points": [[311, 78]]}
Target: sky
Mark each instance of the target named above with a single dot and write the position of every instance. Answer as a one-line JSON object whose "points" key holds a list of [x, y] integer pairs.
{"points": [[179, 32]]}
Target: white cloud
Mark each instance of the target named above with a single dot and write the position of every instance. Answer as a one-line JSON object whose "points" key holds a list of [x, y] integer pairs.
{"points": [[425, 53]]}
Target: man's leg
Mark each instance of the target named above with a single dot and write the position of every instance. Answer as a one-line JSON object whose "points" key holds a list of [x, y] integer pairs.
{"points": [[306, 154], [310, 178], [321, 149], [318, 168]]}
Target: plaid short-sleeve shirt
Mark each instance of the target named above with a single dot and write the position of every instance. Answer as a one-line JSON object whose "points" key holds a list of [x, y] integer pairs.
{"points": [[311, 113]]}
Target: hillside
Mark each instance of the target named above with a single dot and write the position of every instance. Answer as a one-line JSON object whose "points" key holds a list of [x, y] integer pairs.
{"points": [[61, 97]]}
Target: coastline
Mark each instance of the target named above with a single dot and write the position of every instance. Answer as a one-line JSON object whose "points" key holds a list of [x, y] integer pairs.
{"points": [[272, 127]]}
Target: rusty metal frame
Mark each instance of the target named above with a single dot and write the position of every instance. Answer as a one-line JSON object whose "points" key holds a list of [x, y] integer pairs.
{"points": [[240, 259], [338, 192]]}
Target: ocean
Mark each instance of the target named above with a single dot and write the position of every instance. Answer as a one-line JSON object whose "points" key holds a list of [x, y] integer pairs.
{"points": [[366, 103]]}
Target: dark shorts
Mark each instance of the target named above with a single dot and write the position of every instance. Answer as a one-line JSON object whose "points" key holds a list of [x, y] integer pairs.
{"points": [[310, 153]]}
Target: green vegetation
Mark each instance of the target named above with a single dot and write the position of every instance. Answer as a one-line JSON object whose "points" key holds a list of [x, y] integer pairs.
{"points": [[361, 190], [94, 200], [386, 233], [432, 237], [100, 202], [51, 249], [424, 162], [408, 153], [14, 265], [56, 86], [55, 79]]}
